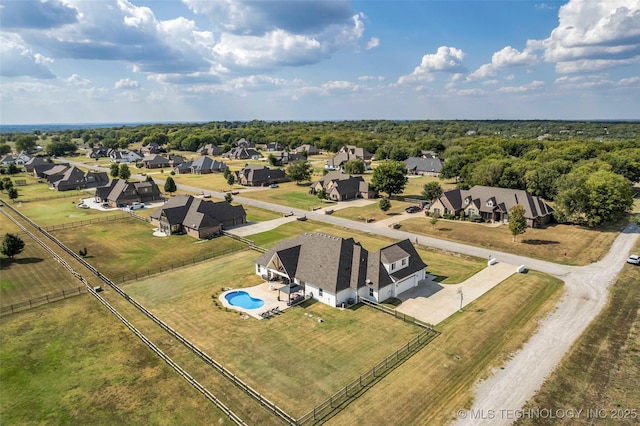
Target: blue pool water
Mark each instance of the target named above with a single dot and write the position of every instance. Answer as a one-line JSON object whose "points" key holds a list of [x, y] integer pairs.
{"points": [[242, 299]]}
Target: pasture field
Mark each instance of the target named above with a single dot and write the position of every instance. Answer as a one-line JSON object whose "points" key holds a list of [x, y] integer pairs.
{"points": [[127, 247], [602, 369], [36, 190], [293, 359], [72, 362], [581, 245], [32, 273], [450, 268], [440, 379]]}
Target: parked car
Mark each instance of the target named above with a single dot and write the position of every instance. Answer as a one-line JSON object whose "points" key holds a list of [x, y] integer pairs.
{"points": [[273, 185], [136, 206], [83, 206], [634, 259], [412, 209]]}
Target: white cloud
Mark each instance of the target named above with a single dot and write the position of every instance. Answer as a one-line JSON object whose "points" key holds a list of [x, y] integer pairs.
{"points": [[126, 84], [446, 59], [372, 43], [507, 57], [535, 85], [76, 80], [371, 78], [594, 34], [18, 60]]}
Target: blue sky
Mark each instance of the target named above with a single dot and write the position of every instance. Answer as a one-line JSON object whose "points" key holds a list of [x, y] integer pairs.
{"points": [[81, 61]]}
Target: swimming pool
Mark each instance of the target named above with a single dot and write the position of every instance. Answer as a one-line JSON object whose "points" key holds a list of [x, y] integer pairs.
{"points": [[242, 299]]}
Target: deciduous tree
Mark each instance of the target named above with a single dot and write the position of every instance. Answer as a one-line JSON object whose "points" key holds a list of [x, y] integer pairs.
{"points": [[170, 185], [431, 191], [115, 170], [124, 173], [517, 221], [299, 171], [390, 177], [385, 204], [12, 245], [354, 167]]}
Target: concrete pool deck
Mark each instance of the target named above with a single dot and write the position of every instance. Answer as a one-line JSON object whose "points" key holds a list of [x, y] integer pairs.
{"points": [[261, 291]]}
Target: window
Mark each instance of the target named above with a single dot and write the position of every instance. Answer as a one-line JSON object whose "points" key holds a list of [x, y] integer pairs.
{"points": [[320, 292], [404, 262], [393, 266], [371, 292]]}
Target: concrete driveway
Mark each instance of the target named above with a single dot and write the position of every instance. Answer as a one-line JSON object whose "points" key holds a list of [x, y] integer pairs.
{"points": [[432, 302]]}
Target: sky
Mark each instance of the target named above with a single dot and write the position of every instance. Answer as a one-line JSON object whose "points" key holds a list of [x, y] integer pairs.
{"points": [[105, 61]]}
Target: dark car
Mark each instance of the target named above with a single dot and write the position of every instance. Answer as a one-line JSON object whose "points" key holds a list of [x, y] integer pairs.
{"points": [[412, 209]]}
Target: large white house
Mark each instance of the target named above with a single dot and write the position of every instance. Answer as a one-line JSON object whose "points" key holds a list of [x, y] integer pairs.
{"points": [[338, 271]]}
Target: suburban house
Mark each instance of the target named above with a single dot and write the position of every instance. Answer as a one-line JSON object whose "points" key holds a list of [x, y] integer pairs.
{"points": [[492, 204], [21, 158], [285, 157], [152, 148], [347, 153], [185, 214], [258, 175], [124, 156], [339, 271], [339, 186], [309, 149], [30, 164], [210, 149], [242, 153], [74, 178], [273, 146], [98, 152], [176, 160], [120, 193], [43, 171], [427, 166], [155, 161], [204, 165], [243, 143]]}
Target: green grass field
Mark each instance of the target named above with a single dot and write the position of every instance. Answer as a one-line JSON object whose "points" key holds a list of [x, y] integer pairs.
{"points": [[72, 362]]}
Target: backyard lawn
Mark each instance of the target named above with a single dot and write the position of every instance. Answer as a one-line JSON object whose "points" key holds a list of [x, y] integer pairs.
{"points": [[292, 358]]}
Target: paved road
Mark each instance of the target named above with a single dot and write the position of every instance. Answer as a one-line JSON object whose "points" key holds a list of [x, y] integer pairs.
{"points": [[586, 290]]}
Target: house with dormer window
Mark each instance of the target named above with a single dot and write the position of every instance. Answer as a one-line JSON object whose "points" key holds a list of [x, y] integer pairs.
{"points": [[492, 204], [338, 271]]}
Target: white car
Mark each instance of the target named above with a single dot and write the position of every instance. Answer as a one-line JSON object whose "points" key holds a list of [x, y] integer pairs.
{"points": [[634, 259]]}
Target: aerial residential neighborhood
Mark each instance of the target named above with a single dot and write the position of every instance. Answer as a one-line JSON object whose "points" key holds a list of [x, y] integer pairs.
{"points": [[236, 242], [319, 213]]}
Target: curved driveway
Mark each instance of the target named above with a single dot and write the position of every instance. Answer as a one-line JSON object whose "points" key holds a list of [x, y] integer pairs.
{"points": [[586, 290]]}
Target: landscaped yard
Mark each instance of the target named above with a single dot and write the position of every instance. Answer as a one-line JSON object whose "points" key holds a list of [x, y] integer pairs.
{"points": [[72, 362], [567, 244], [292, 358]]}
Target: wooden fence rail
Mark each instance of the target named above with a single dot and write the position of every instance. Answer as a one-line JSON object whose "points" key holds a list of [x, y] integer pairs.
{"points": [[42, 300]]}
